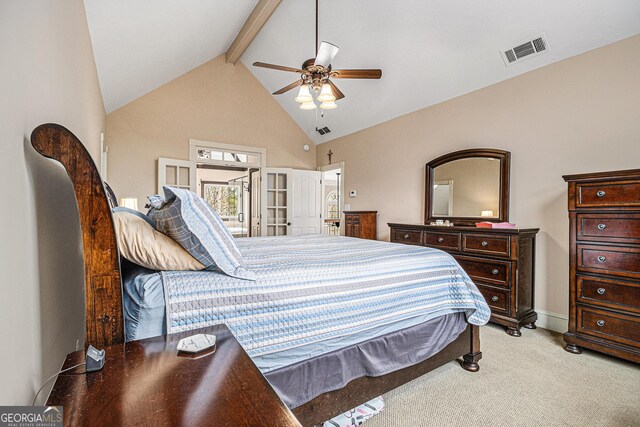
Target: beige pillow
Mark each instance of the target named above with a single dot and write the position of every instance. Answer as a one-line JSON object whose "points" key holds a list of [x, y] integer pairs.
{"points": [[140, 243]]}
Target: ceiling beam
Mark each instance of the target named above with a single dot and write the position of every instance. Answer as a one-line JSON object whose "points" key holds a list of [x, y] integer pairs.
{"points": [[250, 29]]}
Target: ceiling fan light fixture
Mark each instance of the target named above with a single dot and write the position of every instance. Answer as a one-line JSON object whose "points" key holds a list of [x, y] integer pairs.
{"points": [[304, 95], [329, 105], [308, 105], [326, 94]]}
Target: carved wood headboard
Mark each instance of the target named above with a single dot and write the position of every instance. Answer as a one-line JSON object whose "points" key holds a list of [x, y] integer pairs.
{"points": [[102, 279]]}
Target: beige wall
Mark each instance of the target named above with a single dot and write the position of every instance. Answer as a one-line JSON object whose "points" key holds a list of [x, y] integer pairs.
{"points": [[215, 102], [47, 75], [578, 115]]}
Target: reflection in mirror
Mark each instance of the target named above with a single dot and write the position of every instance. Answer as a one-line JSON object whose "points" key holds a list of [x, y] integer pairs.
{"points": [[468, 187]]}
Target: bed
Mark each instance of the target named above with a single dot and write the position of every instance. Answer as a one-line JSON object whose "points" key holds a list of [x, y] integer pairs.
{"points": [[331, 321]]}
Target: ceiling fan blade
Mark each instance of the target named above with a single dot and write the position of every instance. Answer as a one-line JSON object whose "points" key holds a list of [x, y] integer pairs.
{"points": [[357, 74], [276, 67], [326, 53], [288, 88], [336, 92]]}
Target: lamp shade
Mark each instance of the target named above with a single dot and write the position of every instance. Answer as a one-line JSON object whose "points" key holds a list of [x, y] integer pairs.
{"points": [[330, 105], [303, 94], [326, 94], [308, 105], [129, 202]]}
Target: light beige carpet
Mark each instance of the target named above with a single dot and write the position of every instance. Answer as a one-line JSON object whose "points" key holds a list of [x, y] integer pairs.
{"points": [[526, 381]]}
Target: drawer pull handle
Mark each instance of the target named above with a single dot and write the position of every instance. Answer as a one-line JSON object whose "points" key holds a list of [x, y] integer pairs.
{"points": [[484, 243], [602, 258], [494, 271], [600, 322], [600, 193], [601, 291], [406, 236], [494, 298], [440, 239], [602, 226]]}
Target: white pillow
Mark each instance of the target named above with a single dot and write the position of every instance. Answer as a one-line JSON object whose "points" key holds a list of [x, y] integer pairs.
{"points": [[140, 243]]}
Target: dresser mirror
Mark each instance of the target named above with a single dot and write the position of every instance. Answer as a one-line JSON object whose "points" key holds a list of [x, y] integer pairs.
{"points": [[468, 186]]}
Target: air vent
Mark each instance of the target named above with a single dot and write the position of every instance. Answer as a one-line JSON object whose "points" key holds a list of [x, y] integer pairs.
{"points": [[528, 49], [323, 130]]}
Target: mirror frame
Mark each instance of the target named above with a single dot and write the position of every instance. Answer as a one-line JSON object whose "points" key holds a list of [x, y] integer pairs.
{"points": [[503, 209]]}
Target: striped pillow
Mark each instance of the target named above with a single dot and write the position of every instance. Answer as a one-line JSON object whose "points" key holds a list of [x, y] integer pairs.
{"points": [[190, 221]]}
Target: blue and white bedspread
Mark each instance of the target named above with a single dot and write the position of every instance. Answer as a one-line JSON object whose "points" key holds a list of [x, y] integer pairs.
{"points": [[312, 288]]}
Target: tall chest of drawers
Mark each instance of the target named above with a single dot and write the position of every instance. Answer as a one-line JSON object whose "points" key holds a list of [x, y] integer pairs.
{"points": [[500, 262], [604, 263]]}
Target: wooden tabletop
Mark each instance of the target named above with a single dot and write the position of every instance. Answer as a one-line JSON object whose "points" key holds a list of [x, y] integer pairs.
{"points": [[147, 382]]}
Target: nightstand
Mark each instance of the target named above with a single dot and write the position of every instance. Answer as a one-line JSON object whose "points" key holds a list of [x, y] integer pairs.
{"points": [[146, 382]]}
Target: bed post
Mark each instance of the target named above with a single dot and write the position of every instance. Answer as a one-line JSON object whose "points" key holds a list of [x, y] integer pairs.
{"points": [[471, 359], [103, 287]]}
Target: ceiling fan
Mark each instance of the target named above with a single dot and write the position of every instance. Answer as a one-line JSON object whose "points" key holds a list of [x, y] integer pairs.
{"points": [[315, 74]]}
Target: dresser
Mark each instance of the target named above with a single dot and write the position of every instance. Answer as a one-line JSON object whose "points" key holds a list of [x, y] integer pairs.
{"points": [[499, 261], [604, 263], [361, 224]]}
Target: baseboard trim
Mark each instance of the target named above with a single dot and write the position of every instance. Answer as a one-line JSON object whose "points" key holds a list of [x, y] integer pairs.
{"points": [[552, 321]]}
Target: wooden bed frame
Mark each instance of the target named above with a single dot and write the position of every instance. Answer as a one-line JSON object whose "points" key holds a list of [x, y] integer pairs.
{"points": [[103, 285]]}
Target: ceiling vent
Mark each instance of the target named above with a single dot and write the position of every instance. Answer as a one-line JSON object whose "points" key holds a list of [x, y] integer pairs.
{"points": [[323, 131], [525, 50]]}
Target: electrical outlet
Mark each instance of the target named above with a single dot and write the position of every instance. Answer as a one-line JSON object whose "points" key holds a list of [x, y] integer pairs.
{"points": [[353, 193]]}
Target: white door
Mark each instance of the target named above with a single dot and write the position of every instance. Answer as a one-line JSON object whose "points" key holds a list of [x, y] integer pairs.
{"points": [[176, 173], [276, 202], [256, 192], [306, 204]]}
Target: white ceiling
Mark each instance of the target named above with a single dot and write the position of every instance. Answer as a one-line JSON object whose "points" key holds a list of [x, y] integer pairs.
{"points": [[139, 45], [429, 50]]}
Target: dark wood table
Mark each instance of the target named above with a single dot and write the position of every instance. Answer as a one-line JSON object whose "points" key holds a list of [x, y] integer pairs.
{"points": [[146, 382]]}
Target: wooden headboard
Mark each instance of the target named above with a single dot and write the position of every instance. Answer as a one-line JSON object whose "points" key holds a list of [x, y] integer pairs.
{"points": [[102, 280]]}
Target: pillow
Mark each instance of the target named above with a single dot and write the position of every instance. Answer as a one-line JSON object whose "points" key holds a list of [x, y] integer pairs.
{"points": [[189, 220], [140, 243], [136, 213]]}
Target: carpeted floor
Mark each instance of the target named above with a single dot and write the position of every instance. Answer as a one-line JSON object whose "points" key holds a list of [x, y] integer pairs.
{"points": [[526, 381]]}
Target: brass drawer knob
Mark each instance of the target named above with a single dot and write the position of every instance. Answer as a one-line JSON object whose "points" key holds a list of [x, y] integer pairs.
{"points": [[602, 258], [494, 271], [600, 322], [600, 193], [494, 298], [440, 239], [602, 226], [484, 243], [406, 236], [601, 291]]}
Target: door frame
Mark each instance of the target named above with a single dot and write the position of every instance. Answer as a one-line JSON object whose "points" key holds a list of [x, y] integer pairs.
{"points": [[325, 168]]}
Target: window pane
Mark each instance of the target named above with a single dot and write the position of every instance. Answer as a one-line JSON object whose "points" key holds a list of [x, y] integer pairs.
{"points": [[171, 174], [183, 176]]}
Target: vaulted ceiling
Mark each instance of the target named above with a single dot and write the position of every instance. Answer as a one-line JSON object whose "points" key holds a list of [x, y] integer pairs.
{"points": [[429, 51]]}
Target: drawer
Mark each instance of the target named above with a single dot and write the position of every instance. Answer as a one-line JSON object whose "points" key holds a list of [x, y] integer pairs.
{"points": [[485, 244], [608, 292], [352, 218], [494, 272], [617, 261], [409, 237], [442, 240], [498, 299], [609, 227], [609, 325], [622, 193]]}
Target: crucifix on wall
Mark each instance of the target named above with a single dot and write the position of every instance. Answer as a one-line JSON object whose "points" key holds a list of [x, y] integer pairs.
{"points": [[329, 154]]}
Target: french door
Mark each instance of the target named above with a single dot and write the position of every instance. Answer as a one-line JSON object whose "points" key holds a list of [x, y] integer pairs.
{"points": [[176, 173], [291, 202]]}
